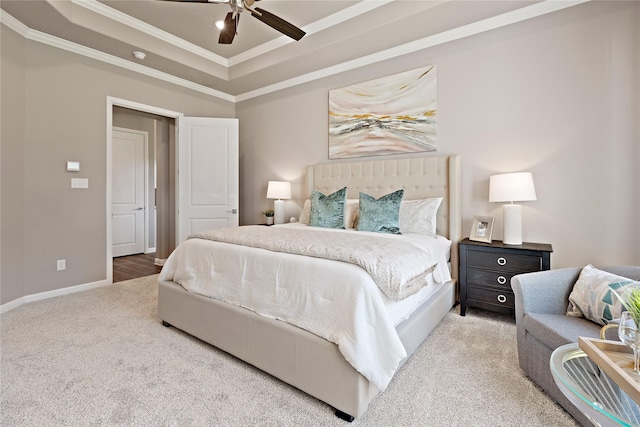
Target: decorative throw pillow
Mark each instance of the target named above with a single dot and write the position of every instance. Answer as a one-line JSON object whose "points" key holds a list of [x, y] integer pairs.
{"points": [[306, 210], [351, 213], [380, 215], [419, 216], [328, 211], [592, 295]]}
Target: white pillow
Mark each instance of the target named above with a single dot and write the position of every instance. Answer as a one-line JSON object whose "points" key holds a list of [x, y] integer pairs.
{"points": [[350, 213], [592, 296], [306, 211], [419, 216]]}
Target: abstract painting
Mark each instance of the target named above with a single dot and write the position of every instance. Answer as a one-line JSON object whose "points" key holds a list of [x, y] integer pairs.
{"points": [[389, 115]]}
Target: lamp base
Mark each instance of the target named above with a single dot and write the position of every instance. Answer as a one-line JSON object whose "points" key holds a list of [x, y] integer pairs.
{"points": [[278, 211], [512, 218]]}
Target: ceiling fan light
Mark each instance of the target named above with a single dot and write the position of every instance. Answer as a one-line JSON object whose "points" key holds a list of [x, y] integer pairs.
{"points": [[219, 24]]}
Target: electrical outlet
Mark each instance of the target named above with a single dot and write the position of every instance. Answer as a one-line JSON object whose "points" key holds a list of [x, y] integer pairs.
{"points": [[62, 264]]}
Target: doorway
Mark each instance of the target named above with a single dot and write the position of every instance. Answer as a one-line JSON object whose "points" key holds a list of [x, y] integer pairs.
{"points": [[160, 124]]}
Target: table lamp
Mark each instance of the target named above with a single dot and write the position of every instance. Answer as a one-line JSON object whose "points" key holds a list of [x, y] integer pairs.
{"points": [[278, 190], [512, 187]]}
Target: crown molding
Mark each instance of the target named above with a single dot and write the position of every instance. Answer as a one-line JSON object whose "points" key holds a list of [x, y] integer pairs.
{"points": [[323, 24], [76, 48], [353, 11], [508, 18], [13, 23], [128, 20]]}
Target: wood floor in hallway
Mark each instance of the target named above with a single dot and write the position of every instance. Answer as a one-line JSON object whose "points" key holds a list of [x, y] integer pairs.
{"points": [[134, 266]]}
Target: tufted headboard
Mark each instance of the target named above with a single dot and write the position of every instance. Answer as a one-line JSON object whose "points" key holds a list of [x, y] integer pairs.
{"points": [[421, 177]]}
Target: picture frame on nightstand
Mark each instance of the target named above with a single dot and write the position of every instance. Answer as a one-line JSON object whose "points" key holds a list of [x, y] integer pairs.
{"points": [[482, 229]]}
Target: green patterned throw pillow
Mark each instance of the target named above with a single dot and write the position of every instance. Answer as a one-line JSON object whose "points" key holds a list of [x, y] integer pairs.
{"points": [[380, 215], [593, 295], [328, 211]]}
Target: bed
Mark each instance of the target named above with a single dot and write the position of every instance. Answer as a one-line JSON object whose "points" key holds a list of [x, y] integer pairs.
{"points": [[304, 359]]}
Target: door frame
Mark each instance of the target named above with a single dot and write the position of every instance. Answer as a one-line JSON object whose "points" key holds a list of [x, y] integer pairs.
{"points": [[145, 166], [118, 102]]}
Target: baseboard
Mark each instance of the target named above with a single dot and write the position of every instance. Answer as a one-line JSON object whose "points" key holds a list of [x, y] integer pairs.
{"points": [[50, 294], [11, 305], [159, 262]]}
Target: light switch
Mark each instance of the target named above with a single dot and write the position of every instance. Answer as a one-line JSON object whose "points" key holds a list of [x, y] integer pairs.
{"points": [[73, 166], [79, 183]]}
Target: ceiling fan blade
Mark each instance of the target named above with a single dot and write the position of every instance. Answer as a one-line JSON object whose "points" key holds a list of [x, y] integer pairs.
{"points": [[229, 31], [278, 23]]}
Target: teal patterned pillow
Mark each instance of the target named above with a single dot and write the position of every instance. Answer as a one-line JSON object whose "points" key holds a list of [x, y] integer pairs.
{"points": [[380, 215], [328, 211], [592, 295]]}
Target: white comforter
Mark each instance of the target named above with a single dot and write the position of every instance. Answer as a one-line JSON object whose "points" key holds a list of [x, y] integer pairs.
{"points": [[335, 300], [398, 266]]}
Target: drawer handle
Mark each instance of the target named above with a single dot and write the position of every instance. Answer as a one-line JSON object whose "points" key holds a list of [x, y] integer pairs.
{"points": [[502, 261], [502, 298], [502, 280]]}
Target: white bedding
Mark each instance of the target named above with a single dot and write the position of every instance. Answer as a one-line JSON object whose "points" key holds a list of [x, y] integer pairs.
{"points": [[397, 263], [334, 300]]}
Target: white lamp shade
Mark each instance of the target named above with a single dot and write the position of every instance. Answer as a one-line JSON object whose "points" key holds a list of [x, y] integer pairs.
{"points": [[279, 190], [512, 187]]}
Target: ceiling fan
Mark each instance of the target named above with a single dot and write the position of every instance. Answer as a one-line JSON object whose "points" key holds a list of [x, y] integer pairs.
{"points": [[231, 21]]}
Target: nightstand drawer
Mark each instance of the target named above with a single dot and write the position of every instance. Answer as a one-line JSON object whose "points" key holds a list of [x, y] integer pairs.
{"points": [[486, 269], [487, 277], [504, 261], [489, 296]]}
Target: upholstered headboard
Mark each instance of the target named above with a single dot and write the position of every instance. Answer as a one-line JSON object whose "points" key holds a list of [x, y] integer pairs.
{"points": [[420, 177]]}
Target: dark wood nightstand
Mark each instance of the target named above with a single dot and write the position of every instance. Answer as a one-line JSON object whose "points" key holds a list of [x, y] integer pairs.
{"points": [[486, 270]]}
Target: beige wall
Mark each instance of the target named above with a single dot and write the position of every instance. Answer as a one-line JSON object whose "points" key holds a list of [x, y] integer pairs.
{"points": [[12, 131], [61, 115], [557, 95]]}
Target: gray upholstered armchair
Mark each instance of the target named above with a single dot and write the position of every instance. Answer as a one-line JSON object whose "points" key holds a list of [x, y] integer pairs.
{"points": [[541, 301]]}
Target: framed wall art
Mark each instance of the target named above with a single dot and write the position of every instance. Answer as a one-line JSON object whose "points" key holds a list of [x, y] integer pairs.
{"points": [[390, 115], [481, 229]]}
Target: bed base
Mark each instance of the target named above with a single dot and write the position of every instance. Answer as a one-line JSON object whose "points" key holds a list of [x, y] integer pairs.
{"points": [[295, 356], [348, 418], [298, 357]]}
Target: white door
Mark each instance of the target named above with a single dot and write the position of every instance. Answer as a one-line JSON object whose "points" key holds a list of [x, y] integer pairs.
{"points": [[207, 174], [127, 192]]}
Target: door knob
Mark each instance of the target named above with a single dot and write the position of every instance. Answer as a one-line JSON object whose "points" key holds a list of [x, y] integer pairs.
{"points": [[137, 209]]}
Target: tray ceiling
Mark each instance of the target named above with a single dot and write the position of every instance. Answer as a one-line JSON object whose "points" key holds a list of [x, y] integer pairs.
{"points": [[180, 39]]}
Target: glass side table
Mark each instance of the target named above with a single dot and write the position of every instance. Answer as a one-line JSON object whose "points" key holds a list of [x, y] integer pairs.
{"points": [[591, 390]]}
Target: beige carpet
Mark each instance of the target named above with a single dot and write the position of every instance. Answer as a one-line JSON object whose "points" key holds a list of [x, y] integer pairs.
{"points": [[102, 358]]}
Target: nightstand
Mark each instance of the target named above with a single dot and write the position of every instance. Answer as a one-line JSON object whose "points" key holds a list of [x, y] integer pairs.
{"points": [[486, 270]]}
